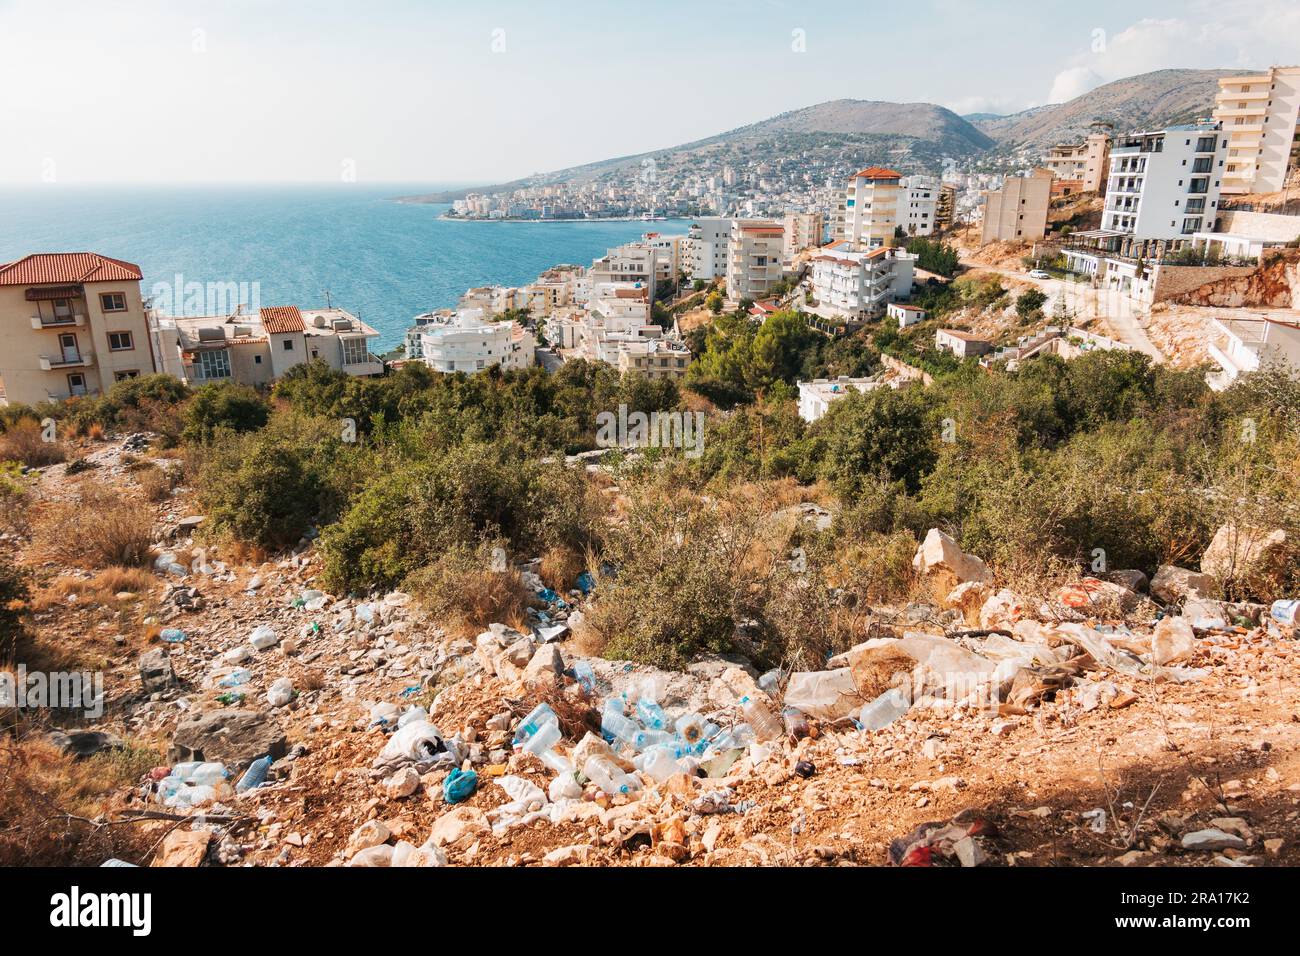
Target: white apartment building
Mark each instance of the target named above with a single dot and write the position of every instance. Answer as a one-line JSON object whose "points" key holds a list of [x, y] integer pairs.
{"points": [[1245, 345], [468, 343], [754, 258], [918, 205], [707, 242], [817, 396], [803, 230], [860, 284], [870, 213], [257, 349], [1165, 184], [671, 256], [630, 263], [71, 324], [1259, 114]]}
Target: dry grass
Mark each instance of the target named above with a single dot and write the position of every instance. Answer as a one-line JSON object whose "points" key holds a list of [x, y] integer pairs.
{"points": [[48, 797], [101, 529], [25, 442], [560, 568], [102, 588], [462, 589], [156, 483]]}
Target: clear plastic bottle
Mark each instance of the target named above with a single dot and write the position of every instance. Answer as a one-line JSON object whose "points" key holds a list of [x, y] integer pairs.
{"points": [[884, 710], [766, 727], [255, 775], [691, 732], [538, 717], [618, 729], [585, 675], [660, 762], [607, 775], [208, 774], [650, 714]]}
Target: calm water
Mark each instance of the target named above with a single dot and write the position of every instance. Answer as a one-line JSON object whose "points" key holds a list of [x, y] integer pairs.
{"points": [[384, 260]]}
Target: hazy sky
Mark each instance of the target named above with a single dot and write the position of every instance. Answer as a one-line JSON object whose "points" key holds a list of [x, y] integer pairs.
{"points": [[484, 90]]}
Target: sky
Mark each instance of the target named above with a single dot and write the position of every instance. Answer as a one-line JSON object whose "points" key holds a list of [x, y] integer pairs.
{"points": [[166, 91]]}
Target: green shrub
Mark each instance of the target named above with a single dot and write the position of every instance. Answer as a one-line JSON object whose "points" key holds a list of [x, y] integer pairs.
{"points": [[237, 408]]}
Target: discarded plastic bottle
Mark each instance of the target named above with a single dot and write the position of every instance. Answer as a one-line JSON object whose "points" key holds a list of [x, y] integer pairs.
{"points": [[585, 675], [796, 723], [240, 675], [540, 716], [208, 774], [615, 724], [172, 635], [766, 727], [884, 710], [1285, 612], [607, 775], [771, 682], [660, 762], [255, 775], [690, 731], [649, 712]]}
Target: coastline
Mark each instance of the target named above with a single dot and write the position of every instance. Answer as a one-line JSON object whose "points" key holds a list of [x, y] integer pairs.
{"points": [[592, 219]]}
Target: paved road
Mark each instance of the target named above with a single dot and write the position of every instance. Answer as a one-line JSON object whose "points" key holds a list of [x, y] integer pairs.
{"points": [[1120, 312]]}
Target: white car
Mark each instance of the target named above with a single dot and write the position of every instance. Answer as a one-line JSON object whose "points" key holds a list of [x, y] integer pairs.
{"points": [[1039, 274]]}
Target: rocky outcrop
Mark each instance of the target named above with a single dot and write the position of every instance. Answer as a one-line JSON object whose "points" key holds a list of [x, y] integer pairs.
{"points": [[233, 737], [1275, 285]]}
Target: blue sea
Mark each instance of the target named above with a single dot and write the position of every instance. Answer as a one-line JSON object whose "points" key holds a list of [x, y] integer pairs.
{"points": [[383, 260]]}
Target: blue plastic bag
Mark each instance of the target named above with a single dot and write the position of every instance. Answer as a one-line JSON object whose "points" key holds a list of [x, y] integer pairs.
{"points": [[459, 785]]}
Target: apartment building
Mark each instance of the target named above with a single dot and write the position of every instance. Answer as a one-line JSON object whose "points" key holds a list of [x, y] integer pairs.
{"points": [[257, 349], [71, 324], [1018, 211], [803, 230], [629, 263], [918, 205], [870, 211], [858, 284], [707, 242], [754, 258], [468, 343], [1164, 184], [1244, 345], [1259, 114], [1086, 163], [671, 257]]}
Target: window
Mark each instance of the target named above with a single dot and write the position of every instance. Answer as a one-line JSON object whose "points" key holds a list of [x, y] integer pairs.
{"points": [[257, 360], [113, 301], [354, 351], [288, 345], [77, 384], [123, 376], [120, 342], [214, 364]]}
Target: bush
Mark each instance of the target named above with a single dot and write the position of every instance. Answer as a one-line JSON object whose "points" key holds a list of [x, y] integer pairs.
{"points": [[467, 592], [25, 442], [268, 488], [15, 497], [237, 408], [1030, 303], [98, 529], [417, 510], [14, 592]]}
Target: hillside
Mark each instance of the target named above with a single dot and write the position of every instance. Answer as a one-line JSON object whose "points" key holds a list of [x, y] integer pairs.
{"points": [[908, 136], [1165, 96]]}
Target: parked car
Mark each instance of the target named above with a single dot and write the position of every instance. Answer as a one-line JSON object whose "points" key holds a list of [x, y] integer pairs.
{"points": [[1039, 274]]}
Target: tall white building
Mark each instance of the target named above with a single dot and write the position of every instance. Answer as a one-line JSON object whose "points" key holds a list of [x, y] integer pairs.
{"points": [[630, 263], [707, 242], [918, 205], [1259, 113], [870, 213], [803, 230], [1165, 184], [754, 258]]}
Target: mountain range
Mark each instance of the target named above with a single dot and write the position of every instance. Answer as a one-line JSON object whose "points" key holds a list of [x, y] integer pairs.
{"points": [[913, 137]]}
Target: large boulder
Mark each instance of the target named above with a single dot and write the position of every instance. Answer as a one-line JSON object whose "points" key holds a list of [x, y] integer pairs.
{"points": [[943, 564], [1172, 584], [1244, 554], [156, 673], [233, 737], [545, 667]]}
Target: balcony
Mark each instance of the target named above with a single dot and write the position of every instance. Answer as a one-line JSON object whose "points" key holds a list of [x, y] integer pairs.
{"points": [[82, 360], [58, 322]]}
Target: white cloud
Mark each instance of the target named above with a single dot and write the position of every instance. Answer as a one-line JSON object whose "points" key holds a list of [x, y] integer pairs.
{"points": [[1225, 34]]}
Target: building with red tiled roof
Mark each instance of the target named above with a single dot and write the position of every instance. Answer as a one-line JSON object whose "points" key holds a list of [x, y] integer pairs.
{"points": [[878, 172], [72, 324], [278, 319], [869, 216]]}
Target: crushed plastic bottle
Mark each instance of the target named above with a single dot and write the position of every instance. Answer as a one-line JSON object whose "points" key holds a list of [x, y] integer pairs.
{"points": [[766, 727], [771, 682], [607, 775], [255, 775], [240, 675], [616, 726], [585, 675], [691, 732], [884, 710], [208, 774], [660, 762], [648, 711], [172, 635]]}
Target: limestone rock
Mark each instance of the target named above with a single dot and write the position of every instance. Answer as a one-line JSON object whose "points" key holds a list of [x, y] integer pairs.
{"points": [[944, 565], [234, 737], [1172, 584]]}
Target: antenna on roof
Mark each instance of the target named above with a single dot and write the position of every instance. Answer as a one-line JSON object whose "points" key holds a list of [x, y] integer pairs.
{"points": [[328, 303]]}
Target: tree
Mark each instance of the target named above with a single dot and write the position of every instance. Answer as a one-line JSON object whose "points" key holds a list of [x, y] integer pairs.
{"points": [[714, 302], [1030, 303]]}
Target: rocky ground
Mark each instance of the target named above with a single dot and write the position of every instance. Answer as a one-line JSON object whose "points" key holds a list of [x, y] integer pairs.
{"points": [[1095, 736]]}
